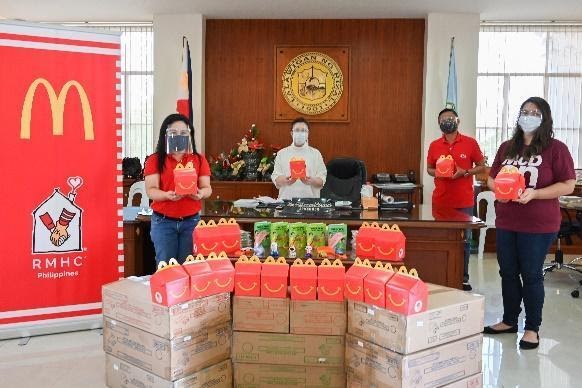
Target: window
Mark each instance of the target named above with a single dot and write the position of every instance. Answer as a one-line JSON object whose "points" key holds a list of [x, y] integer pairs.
{"points": [[137, 84], [520, 61]]}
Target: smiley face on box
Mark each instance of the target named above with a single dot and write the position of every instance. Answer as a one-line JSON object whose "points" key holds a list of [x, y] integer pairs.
{"points": [[247, 276], [210, 237], [445, 167], [298, 168], [303, 280], [274, 278], [201, 276], [354, 279], [170, 284], [331, 278], [223, 272], [405, 293], [375, 284], [185, 179], [390, 243], [509, 183]]}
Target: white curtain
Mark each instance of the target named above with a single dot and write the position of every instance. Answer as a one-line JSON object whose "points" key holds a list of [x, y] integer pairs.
{"points": [[517, 61]]}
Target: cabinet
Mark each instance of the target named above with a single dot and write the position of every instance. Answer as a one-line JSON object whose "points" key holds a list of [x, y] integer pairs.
{"points": [[233, 190]]}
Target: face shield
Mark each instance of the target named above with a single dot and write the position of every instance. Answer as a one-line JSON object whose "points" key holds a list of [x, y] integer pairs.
{"points": [[178, 141]]}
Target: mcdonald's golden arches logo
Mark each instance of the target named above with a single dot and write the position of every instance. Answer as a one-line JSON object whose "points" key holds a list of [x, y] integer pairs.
{"points": [[57, 108]]}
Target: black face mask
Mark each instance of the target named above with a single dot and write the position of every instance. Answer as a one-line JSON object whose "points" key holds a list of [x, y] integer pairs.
{"points": [[449, 126]]}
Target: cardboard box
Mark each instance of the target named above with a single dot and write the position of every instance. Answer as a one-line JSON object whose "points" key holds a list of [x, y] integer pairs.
{"points": [[405, 293], [373, 365], [170, 359], [185, 179], [223, 272], [247, 276], [451, 315], [354, 283], [298, 168], [445, 167], [331, 279], [375, 284], [288, 349], [128, 300], [475, 381], [265, 375], [303, 280], [170, 284], [318, 317], [201, 276], [121, 374], [223, 236], [274, 278], [390, 243], [509, 183], [250, 313]]}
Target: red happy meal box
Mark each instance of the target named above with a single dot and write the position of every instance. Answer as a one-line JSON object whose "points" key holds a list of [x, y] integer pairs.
{"points": [[375, 284], [303, 280], [331, 278], [445, 167], [201, 276], [247, 276], [405, 293], [366, 240], [509, 183], [223, 272], [274, 277], [354, 284], [170, 284], [298, 168], [185, 179], [211, 237], [390, 243]]}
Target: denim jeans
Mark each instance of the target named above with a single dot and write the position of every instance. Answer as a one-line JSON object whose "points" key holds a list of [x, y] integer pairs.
{"points": [[521, 261], [467, 252], [172, 239]]}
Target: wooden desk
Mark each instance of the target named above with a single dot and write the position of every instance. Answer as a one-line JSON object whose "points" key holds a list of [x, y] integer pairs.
{"points": [[233, 190], [434, 237]]}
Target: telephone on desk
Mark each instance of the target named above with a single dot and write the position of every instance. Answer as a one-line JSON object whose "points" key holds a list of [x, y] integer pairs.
{"points": [[384, 177]]}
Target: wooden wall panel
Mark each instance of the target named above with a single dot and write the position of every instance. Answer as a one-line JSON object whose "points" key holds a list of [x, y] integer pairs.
{"points": [[386, 65]]}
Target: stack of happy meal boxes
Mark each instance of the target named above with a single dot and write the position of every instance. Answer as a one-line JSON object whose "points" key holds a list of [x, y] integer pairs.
{"points": [[405, 333], [283, 335], [171, 329]]}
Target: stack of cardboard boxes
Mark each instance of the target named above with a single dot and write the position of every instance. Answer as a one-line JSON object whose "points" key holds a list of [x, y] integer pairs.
{"points": [[278, 341], [440, 347], [151, 345]]}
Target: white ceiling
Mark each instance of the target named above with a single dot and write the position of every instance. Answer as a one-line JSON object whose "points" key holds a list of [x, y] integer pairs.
{"points": [[143, 10]]}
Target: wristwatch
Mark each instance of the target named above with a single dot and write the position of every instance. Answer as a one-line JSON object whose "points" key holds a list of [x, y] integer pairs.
{"points": [[466, 173]]}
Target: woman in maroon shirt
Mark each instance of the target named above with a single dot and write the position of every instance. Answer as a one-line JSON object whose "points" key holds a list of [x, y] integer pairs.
{"points": [[526, 227]]}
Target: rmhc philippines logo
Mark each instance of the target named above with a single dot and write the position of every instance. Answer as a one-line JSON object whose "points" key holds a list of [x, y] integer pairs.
{"points": [[57, 103]]}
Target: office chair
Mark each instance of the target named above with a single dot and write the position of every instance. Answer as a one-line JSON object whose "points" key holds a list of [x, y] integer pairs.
{"points": [[345, 177], [567, 229]]}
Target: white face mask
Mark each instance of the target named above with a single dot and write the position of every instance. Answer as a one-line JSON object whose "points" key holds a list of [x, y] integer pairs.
{"points": [[299, 138], [529, 123]]}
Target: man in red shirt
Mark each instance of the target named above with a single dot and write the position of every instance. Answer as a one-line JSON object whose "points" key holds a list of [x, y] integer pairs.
{"points": [[457, 191]]}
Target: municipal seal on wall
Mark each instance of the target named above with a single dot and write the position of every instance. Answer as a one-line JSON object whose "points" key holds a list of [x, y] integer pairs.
{"points": [[312, 83]]}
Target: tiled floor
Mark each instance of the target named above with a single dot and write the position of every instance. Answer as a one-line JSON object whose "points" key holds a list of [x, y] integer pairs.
{"points": [[76, 359]]}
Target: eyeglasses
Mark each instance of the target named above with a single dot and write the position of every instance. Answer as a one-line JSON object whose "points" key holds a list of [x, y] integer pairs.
{"points": [[534, 112], [177, 132]]}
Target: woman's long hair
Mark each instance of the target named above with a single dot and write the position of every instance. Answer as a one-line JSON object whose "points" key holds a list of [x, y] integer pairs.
{"points": [[161, 147], [541, 138]]}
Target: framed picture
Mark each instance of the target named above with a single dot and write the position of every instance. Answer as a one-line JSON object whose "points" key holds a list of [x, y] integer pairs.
{"points": [[312, 81]]}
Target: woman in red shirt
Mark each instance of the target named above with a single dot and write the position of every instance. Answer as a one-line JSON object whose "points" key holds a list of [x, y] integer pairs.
{"points": [[526, 227], [175, 216]]}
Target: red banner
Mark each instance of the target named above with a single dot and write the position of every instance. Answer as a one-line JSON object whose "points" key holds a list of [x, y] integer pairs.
{"points": [[60, 114]]}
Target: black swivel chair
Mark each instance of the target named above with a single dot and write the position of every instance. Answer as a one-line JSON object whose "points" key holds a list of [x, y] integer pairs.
{"points": [[345, 177], [568, 228]]}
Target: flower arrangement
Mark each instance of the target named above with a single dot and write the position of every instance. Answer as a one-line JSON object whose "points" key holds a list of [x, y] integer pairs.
{"points": [[244, 161]]}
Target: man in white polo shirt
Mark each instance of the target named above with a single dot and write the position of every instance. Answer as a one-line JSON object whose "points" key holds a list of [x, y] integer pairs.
{"points": [[310, 186]]}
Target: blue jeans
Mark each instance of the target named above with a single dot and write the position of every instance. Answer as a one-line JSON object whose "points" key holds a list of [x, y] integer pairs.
{"points": [[521, 261], [172, 239], [467, 252]]}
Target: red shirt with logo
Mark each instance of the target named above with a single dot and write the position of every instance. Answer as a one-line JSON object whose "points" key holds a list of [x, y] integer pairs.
{"points": [[185, 206], [456, 193], [553, 164]]}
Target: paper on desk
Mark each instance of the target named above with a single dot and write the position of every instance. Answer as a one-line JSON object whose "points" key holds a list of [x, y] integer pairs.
{"points": [[268, 200], [245, 203]]}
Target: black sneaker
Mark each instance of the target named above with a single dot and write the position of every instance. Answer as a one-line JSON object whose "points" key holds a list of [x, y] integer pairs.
{"points": [[467, 287]]}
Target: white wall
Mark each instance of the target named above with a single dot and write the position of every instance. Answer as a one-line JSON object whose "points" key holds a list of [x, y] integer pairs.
{"points": [[168, 32], [440, 27]]}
